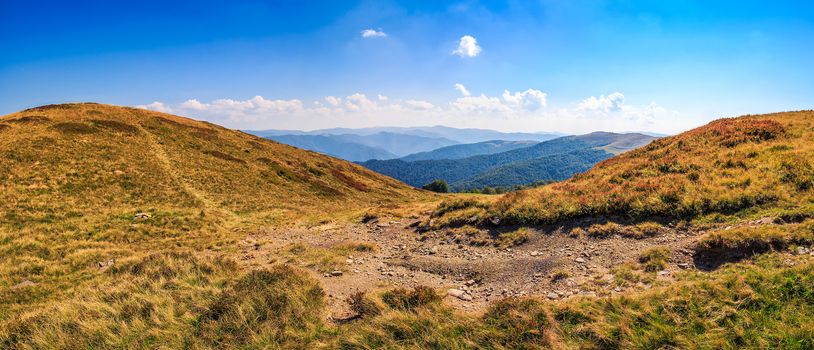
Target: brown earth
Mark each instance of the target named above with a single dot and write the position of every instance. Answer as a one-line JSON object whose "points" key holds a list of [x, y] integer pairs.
{"points": [[550, 263]]}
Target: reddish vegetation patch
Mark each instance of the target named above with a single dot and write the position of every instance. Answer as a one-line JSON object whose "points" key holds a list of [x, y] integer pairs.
{"points": [[72, 128], [116, 126], [4, 127], [347, 180], [197, 130], [732, 132], [224, 156], [30, 119], [51, 107]]}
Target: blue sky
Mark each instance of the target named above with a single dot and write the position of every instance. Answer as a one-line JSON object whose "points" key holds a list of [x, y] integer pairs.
{"points": [[569, 66]]}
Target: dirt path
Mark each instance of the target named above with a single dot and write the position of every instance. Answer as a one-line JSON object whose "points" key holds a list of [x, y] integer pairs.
{"points": [[210, 206]]}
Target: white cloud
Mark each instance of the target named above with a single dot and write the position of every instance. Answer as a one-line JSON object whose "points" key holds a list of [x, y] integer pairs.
{"points": [[373, 33], [530, 99], [193, 104], [611, 103], [462, 89], [527, 109], [480, 104], [359, 102], [333, 101], [156, 106], [260, 104], [420, 105], [613, 106], [467, 47]]}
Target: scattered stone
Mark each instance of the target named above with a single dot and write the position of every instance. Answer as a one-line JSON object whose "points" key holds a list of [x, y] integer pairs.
{"points": [[580, 260], [104, 264], [460, 294], [765, 221], [470, 283], [434, 250], [383, 224], [23, 284], [336, 273], [535, 253], [141, 216], [684, 265], [801, 250], [118, 172], [553, 296]]}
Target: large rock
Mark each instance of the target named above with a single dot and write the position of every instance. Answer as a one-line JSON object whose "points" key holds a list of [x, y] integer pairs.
{"points": [[459, 294]]}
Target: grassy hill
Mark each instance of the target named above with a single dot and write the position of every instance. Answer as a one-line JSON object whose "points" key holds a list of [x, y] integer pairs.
{"points": [[84, 184], [79, 158], [487, 169], [731, 166]]}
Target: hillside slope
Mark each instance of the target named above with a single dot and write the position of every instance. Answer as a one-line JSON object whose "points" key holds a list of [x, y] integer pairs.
{"points": [[730, 166], [333, 146], [468, 150], [458, 172], [74, 160]]}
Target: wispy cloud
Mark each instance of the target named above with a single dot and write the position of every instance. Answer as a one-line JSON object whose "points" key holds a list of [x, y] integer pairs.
{"points": [[510, 110], [373, 33], [467, 47], [462, 89]]}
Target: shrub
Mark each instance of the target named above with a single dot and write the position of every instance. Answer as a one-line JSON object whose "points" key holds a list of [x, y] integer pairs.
{"points": [[362, 305], [516, 237], [404, 299], [439, 186], [604, 230], [655, 259], [797, 172], [647, 229]]}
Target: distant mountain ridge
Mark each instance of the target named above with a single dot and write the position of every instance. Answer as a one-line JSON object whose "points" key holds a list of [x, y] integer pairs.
{"points": [[382, 145], [468, 150], [333, 146], [393, 142], [467, 135], [555, 159]]}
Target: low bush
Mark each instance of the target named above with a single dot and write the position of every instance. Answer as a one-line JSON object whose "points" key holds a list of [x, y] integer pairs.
{"points": [[654, 259], [405, 299]]}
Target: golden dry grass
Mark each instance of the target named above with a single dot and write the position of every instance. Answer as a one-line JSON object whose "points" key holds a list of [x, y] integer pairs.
{"points": [[736, 166]]}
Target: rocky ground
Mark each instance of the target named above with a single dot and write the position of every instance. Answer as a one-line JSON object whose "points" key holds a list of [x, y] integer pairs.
{"points": [[550, 263]]}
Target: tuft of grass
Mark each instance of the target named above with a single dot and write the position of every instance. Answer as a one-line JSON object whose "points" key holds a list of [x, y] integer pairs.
{"points": [[513, 238], [746, 241], [654, 259], [405, 299], [276, 308], [363, 306]]}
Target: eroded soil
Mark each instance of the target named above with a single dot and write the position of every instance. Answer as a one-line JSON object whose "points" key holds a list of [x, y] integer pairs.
{"points": [[550, 263]]}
